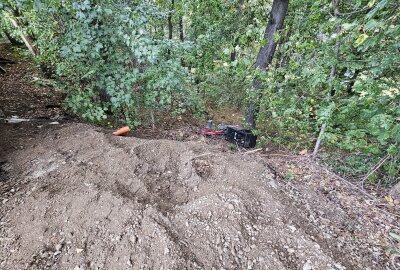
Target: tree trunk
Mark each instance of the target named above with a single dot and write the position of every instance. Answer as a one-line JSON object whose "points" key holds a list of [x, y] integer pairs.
{"points": [[234, 53], [266, 53], [236, 29], [181, 36], [333, 73], [181, 33], [275, 23], [170, 26], [25, 38]]}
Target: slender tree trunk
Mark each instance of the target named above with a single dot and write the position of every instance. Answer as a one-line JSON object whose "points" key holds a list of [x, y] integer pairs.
{"points": [[333, 73], [25, 38], [181, 36], [181, 33], [170, 26], [234, 53], [266, 53], [236, 29], [153, 121]]}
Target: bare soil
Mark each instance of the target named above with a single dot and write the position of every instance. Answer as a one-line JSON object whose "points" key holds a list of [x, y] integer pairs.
{"points": [[72, 196]]}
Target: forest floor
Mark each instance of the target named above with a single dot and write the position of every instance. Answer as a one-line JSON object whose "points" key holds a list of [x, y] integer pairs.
{"points": [[73, 196]]}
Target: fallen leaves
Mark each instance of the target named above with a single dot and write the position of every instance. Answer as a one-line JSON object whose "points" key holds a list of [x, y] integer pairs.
{"points": [[303, 152]]}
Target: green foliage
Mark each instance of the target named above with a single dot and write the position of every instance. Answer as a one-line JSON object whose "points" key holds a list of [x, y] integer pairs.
{"points": [[360, 103], [109, 61], [226, 85], [227, 37]]}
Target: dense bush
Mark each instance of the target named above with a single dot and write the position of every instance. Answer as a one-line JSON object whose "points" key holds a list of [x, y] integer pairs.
{"points": [[109, 60]]}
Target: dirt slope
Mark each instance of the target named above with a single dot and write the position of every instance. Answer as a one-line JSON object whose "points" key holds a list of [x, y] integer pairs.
{"points": [[86, 200]]}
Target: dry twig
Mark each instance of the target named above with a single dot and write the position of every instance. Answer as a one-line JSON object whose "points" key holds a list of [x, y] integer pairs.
{"points": [[351, 184], [202, 155], [253, 151], [375, 168], [282, 155]]}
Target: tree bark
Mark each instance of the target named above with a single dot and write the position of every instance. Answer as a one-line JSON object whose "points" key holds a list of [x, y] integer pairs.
{"points": [[181, 33], [275, 23], [234, 53], [266, 53], [170, 25]]}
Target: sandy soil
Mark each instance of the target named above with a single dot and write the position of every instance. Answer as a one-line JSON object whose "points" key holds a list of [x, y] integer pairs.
{"points": [[72, 196]]}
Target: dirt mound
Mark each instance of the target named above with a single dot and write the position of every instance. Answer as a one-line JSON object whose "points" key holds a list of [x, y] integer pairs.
{"points": [[82, 199]]}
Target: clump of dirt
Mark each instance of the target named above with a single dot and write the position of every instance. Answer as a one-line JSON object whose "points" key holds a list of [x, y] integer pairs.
{"points": [[83, 199]]}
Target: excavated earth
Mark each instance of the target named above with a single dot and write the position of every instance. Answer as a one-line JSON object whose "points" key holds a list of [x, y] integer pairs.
{"points": [[73, 196]]}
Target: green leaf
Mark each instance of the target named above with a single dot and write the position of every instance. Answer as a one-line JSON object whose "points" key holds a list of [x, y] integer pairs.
{"points": [[360, 40], [347, 26], [277, 36], [77, 49], [264, 42], [371, 3]]}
